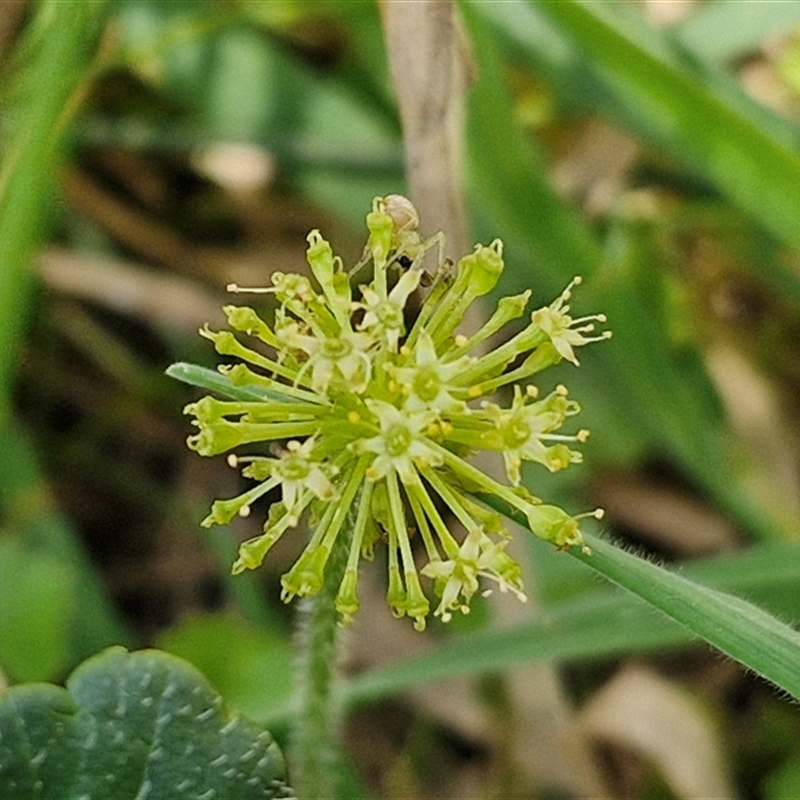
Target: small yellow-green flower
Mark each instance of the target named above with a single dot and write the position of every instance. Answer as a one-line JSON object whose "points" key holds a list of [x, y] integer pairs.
{"points": [[361, 405]]}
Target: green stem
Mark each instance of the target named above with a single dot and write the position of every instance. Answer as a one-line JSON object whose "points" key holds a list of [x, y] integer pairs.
{"points": [[314, 750]]}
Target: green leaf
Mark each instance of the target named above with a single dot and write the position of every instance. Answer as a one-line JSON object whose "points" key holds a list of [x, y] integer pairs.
{"points": [[508, 175], [54, 611], [737, 628], [35, 598], [205, 378], [598, 623], [729, 29], [734, 626], [63, 34], [698, 122], [141, 724]]}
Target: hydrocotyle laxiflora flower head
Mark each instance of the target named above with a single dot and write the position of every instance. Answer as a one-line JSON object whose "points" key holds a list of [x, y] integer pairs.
{"points": [[364, 413]]}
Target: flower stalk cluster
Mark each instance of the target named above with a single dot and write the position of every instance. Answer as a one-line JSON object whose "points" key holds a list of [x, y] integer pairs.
{"points": [[369, 405]]}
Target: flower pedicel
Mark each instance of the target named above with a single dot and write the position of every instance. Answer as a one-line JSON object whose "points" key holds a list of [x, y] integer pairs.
{"points": [[381, 412]]}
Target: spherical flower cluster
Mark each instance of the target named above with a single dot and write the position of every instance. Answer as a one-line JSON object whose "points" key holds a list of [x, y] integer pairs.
{"points": [[370, 406]]}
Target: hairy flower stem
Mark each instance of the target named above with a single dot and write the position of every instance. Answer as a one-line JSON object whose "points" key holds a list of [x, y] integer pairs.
{"points": [[314, 750]]}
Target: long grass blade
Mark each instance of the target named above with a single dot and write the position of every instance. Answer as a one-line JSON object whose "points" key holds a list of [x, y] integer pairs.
{"points": [[692, 119]]}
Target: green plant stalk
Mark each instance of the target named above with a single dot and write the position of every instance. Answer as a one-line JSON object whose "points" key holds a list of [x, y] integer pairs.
{"points": [[59, 58], [313, 751]]}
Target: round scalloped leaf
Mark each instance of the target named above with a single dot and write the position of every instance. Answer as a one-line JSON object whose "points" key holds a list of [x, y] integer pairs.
{"points": [[143, 725]]}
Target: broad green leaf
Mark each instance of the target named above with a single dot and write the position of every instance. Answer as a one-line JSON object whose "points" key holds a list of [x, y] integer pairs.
{"points": [[36, 590], [142, 724], [236, 656]]}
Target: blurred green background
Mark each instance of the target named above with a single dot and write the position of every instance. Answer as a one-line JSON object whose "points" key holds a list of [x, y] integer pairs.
{"points": [[153, 152]]}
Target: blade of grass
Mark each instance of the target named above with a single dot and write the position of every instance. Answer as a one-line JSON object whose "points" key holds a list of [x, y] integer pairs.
{"points": [[205, 378], [597, 624], [508, 175], [729, 29], [56, 60], [735, 627], [688, 118], [602, 623]]}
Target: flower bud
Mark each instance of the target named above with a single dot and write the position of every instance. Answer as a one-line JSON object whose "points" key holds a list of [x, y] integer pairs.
{"points": [[222, 435], [381, 232], [223, 511], [416, 604], [242, 318], [253, 551], [396, 593], [347, 602], [481, 270], [553, 524], [306, 576], [320, 258]]}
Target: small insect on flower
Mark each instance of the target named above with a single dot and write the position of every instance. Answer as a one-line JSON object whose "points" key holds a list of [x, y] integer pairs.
{"points": [[382, 411]]}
